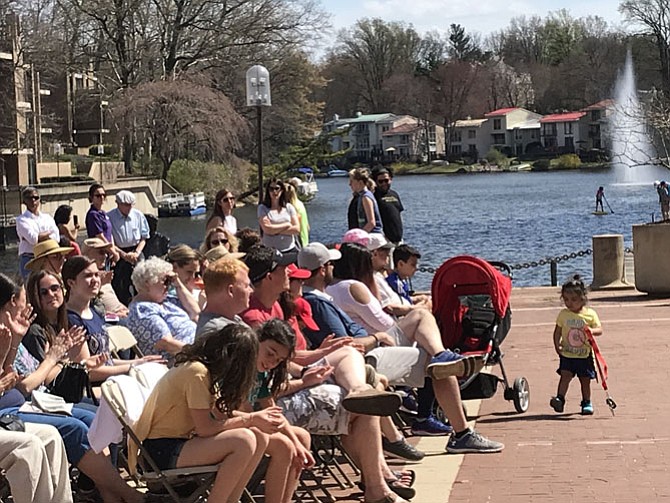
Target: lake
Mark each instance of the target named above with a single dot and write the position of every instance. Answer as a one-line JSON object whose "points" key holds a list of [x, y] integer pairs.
{"points": [[509, 217]]}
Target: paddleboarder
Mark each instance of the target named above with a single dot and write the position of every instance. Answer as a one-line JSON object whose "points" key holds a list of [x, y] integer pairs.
{"points": [[599, 198]]}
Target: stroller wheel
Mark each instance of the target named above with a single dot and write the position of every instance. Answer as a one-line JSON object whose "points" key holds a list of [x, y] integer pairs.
{"points": [[521, 397]]}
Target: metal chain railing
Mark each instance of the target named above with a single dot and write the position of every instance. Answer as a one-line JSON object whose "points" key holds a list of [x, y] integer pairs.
{"points": [[551, 261]]}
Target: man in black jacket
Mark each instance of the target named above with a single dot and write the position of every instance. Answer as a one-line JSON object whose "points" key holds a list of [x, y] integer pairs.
{"points": [[389, 204]]}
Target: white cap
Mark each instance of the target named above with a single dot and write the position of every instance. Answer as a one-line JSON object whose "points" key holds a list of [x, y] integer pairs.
{"points": [[125, 197], [377, 241], [314, 255]]}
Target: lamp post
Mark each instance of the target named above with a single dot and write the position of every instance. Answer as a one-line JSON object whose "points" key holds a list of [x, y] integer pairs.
{"points": [[57, 148], [258, 95]]}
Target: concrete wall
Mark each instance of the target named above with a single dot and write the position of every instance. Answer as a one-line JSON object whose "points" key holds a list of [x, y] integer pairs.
{"points": [[652, 265], [52, 169]]}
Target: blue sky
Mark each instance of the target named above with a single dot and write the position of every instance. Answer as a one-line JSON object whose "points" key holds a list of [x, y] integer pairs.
{"points": [[482, 16]]}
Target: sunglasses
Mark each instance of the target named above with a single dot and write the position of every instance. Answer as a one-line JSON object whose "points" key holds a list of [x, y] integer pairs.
{"points": [[228, 199], [275, 189], [100, 195], [167, 281], [33, 198], [51, 289], [384, 180], [218, 242]]}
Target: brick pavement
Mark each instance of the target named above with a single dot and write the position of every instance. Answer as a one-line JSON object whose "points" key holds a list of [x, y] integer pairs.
{"points": [[565, 457]]}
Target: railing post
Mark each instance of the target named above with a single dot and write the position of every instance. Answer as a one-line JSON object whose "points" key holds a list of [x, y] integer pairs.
{"points": [[553, 267]]}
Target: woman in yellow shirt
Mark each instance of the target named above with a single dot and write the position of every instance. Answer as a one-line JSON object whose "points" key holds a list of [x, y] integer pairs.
{"points": [[191, 418]]}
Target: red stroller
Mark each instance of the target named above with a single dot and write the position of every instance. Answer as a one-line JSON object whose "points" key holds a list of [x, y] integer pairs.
{"points": [[471, 306]]}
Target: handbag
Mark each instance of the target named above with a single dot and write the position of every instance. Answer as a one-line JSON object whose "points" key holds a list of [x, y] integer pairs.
{"points": [[12, 422], [71, 383]]}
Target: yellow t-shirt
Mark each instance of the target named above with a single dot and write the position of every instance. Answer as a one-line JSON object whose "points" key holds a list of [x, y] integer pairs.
{"points": [[166, 413], [574, 342]]}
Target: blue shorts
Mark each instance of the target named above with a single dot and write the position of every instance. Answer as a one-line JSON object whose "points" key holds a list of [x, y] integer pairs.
{"points": [[580, 367], [164, 451]]}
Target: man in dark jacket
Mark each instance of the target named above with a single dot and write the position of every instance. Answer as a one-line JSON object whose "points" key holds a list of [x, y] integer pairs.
{"points": [[389, 204]]}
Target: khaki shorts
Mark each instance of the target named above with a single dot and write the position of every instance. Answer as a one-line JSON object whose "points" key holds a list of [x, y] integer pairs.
{"points": [[403, 366]]}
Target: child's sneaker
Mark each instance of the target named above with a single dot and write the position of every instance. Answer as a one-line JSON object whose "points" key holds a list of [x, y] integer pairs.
{"points": [[587, 408], [557, 403]]}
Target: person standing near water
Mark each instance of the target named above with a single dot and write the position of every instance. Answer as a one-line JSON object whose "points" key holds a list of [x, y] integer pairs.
{"points": [[664, 199], [390, 205], [599, 198]]}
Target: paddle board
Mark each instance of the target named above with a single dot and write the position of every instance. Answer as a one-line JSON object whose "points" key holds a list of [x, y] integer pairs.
{"points": [[600, 213]]}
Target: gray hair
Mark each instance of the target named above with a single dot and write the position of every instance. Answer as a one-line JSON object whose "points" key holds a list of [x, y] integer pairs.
{"points": [[150, 272]]}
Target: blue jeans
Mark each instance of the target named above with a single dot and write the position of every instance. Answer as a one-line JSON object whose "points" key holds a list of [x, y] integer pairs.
{"points": [[73, 429], [24, 258]]}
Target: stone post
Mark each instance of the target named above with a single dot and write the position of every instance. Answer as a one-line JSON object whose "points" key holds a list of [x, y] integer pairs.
{"points": [[608, 262], [652, 267]]}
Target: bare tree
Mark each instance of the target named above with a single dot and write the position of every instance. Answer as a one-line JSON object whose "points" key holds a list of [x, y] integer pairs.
{"points": [[181, 118]]}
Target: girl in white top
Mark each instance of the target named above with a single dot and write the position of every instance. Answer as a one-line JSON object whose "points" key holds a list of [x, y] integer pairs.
{"points": [[278, 218], [222, 216]]}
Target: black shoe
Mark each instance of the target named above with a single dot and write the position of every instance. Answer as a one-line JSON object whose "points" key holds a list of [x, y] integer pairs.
{"points": [[402, 450]]}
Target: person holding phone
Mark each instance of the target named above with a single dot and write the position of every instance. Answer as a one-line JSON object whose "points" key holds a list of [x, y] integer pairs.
{"points": [[68, 233]]}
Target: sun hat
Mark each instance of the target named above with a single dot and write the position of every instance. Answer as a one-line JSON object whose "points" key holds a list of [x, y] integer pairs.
{"points": [[295, 273], [44, 249], [377, 241], [314, 255], [358, 236], [125, 197]]}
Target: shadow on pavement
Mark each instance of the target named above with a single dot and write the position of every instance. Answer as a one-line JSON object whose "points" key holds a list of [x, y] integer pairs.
{"points": [[504, 417]]}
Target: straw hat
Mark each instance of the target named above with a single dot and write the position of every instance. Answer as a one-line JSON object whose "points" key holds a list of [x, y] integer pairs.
{"points": [[96, 244], [45, 248]]}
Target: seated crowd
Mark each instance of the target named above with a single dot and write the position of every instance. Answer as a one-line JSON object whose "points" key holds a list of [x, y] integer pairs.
{"points": [[268, 338]]}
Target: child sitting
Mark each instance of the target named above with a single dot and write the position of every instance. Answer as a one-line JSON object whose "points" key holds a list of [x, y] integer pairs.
{"points": [[406, 263]]}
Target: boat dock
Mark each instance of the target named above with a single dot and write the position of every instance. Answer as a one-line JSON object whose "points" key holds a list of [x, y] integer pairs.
{"points": [[566, 457]]}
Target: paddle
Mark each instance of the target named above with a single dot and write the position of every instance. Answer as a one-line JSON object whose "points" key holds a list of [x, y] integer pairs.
{"points": [[608, 204]]}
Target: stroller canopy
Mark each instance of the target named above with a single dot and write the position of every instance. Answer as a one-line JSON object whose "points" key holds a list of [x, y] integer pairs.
{"points": [[461, 276]]}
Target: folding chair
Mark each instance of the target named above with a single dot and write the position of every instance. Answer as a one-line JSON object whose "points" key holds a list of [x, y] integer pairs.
{"points": [[199, 478], [122, 339], [148, 374]]}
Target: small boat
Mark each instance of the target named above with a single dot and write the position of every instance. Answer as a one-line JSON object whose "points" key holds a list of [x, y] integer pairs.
{"points": [[307, 188], [337, 173], [180, 205]]}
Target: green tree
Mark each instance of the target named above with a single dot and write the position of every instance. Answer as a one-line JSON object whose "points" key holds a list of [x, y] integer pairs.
{"points": [[462, 46]]}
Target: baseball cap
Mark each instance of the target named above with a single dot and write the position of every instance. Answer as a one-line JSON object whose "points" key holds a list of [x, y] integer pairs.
{"points": [[262, 260], [295, 273], [125, 197], [314, 255], [304, 312], [358, 236], [377, 241]]}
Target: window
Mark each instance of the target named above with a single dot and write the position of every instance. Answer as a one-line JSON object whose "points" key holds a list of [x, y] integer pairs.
{"points": [[497, 123], [499, 139], [456, 136], [472, 134], [455, 149], [567, 127], [384, 129], [595, 115], [404, 139], [364, 142], [569, 142], [432, 135], [472, 149], [518, 134], [549, 129]]}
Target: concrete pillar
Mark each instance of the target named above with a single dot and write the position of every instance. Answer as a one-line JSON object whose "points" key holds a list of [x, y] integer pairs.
{"points": [[608, 262], [652, 268]]}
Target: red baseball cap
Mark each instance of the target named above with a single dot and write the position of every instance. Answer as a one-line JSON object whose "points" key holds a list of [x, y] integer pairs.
{"points": [[295, 273], [304, 312]]}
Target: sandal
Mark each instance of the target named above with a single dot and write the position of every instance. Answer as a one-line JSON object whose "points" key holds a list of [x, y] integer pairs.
{"points": [[389, 498], [400, 474], [404, 491]]}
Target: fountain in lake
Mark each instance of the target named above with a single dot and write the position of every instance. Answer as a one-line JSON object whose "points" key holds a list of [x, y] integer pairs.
{"points": [[632, 151]]}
